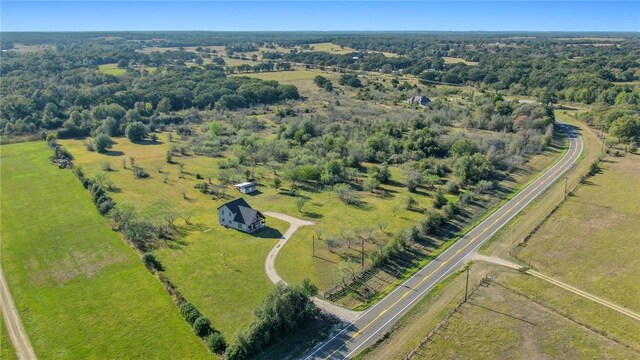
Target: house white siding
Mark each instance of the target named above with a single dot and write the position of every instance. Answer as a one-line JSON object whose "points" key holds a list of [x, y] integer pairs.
{"points": [[226, 216], [248, 189]]}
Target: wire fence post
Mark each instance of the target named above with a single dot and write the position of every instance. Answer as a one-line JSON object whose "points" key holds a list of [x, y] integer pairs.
{"points": [[466, 287]]}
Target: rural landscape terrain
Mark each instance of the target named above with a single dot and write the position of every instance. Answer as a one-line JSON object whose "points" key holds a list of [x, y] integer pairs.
{"points": [[392, 195]]}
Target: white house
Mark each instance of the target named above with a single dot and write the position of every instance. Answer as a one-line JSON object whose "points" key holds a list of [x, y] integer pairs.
{"points": [[239, 215], [246, 187]]}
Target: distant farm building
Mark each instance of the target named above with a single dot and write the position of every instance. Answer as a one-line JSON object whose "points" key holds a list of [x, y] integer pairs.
{"points": [[419, 100], [246, 187], [238, 214]]}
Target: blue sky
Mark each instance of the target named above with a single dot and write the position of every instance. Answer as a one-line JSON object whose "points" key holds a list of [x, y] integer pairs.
{"points": [[320, 15]]}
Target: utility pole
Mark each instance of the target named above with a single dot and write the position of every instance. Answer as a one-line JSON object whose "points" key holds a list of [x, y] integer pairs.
{"points": [[565, 187], [466, 288], [313, 245], [362, 252]]}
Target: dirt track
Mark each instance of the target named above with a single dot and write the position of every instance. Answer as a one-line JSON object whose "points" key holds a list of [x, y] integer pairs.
{"points": [[15, 330]]}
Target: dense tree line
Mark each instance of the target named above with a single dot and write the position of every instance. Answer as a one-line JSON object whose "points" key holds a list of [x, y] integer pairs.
{"points": [[284, 311], [62, 90]]}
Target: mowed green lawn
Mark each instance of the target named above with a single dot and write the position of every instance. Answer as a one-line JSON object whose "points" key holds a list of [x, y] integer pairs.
{"points": [[81, 291]]}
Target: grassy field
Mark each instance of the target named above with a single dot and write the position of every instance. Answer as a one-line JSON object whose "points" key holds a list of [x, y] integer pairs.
{"points": [[519, 328], [337, 49], [24, 49], [81, 291], [599, 225], [301, 78], [332, 48], [454, 60], [193, 262], [507, 239], [111, 69], [7, 351]]}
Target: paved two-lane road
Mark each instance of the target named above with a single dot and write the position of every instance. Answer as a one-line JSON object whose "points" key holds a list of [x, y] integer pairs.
{"points": [[373, 323]]}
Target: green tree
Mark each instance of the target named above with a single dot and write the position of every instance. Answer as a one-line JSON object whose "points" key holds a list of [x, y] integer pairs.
{"points": [[413, 179], [371, 184], [189, 312], [216, 343], [102, 142], [626, 129], [345, 193], [333, 172], [276, 183], [439, 200], [136, 131], [320, 80], [164, 106], [472, 168], [202, 326], [411, 203], [300, 202]]}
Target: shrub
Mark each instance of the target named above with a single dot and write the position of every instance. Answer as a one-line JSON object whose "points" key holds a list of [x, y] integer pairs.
{"points": [[78, 172], [62, 153], [51, 139], [466, 198], [439, 200], [450, 210], [453, 188], [189, 312], [90, 145], [216, 343], [484, 186], [432, 222], [169, 156], [140, 233], [594, 168], [150, 261], [105, 205], [345, 193], [140, 173], [202, 326], [371, 184], [411, 203], [106, 166]]}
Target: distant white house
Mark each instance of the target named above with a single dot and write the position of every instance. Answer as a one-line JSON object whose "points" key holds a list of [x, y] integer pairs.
{"points": [[246, 187], [238, 214]]}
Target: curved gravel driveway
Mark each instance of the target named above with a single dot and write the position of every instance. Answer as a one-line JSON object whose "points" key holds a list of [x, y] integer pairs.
{"points": [[269, 265]]}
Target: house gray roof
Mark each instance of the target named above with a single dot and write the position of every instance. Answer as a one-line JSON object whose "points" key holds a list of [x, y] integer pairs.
{"points": [[423, 100], [245, 214]]}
